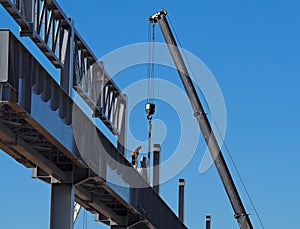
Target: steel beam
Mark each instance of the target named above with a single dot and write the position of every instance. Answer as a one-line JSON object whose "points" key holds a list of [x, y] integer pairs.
{"points": [[19, 158], [28, 152], [100, 207], [118, 227], [101, 218], [4, 47], [62, 206]]}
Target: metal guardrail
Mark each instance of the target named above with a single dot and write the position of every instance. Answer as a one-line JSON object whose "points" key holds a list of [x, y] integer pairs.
{"points": [[55, 35]]}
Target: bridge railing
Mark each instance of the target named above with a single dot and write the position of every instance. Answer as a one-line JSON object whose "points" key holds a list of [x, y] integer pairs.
{"points": [[55, 35]]}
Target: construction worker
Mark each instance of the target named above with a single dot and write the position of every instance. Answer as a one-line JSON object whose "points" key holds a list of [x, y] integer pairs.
{"points": [[143, 162], [143, 170], [135, 155]]}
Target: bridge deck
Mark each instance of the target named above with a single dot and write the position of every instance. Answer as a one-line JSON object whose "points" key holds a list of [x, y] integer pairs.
{"points": [[37, 129]]}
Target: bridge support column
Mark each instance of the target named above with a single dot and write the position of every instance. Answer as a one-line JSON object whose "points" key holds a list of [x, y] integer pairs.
{"points": [[62, 206]]}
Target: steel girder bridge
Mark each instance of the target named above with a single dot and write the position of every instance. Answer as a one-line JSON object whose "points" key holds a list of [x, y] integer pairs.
{"points": [[37, 123]]}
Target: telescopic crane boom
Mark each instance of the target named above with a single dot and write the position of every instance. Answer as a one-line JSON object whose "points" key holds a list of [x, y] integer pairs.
{"points": [[215, 151]]}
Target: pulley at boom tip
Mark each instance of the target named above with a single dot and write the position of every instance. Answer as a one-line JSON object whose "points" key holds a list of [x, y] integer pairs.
{"points": [[155, 17]]}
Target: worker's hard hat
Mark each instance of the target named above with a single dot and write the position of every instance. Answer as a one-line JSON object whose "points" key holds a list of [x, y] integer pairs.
{"points": [[139, 146]]}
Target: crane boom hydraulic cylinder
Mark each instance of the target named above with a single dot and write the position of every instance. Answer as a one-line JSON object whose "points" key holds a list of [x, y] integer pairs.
{"points": [[215, 151]]}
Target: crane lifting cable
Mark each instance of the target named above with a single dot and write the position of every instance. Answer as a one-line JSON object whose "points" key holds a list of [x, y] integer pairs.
{"points": [[150, 67], [150, 106]]}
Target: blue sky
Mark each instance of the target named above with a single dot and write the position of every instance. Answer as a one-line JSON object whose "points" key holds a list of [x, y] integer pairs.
{"points": [[253, 50]]}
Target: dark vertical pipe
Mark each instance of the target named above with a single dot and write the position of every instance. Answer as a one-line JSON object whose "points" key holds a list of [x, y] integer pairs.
{"points": [[207, 221], [181, 200], [156, 162]]}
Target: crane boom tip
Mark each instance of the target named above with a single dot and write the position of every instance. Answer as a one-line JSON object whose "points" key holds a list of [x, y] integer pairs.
{"points": [[155, 17]]}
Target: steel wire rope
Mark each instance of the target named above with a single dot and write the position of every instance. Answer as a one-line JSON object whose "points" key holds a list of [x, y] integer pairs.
{"points": [[150, 65]]}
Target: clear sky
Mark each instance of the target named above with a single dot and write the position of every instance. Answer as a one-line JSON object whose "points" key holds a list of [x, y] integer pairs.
{"points": [[253, 50]]}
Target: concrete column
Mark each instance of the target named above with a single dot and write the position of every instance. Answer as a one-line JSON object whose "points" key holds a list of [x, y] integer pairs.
{"points": [[62, 206]]}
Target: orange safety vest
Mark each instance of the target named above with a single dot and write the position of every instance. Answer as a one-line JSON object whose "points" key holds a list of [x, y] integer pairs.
{"points": [[135, 153]]}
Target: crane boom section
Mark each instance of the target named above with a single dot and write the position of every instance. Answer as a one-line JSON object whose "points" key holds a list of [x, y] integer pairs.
{"points": [[205, 127]]}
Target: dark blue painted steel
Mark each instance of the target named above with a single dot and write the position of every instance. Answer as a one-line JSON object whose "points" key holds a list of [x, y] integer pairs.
{"points": [[36, 96]]}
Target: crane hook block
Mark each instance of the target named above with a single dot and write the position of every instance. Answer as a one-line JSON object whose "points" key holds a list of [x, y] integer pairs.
{"points": [[150, 109]]}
